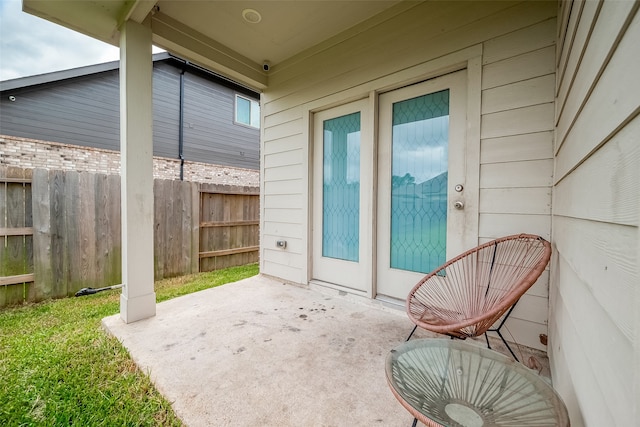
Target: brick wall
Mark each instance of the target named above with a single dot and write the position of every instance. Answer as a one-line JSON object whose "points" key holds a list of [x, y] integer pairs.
{"points": [[30, 153]]}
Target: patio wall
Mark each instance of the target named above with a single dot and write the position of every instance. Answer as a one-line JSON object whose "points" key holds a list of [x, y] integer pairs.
{"points": [[594, 327], [516, 41]]}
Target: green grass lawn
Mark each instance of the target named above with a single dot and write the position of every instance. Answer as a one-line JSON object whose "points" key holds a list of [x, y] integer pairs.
{"points": [[59, 367]]}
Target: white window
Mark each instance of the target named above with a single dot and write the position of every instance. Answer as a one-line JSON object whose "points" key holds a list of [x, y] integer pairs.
{"points": [[247, 111]]}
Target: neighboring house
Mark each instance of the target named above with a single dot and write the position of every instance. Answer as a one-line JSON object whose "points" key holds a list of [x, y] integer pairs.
{"points": [[542, 100], [81, 106]]}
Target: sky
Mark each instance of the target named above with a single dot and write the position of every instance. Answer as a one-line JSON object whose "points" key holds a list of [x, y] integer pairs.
{"points": [[30, 45]]}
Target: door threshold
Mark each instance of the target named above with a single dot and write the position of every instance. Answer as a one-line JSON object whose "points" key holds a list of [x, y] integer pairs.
{"points": [[357, 296], [391, 302], [342, 290]]}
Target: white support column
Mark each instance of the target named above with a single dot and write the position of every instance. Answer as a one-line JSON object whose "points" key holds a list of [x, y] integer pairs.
{"points": [[138, 299]]}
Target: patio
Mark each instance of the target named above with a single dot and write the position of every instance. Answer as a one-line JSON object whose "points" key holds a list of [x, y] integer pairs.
{"points": [[261, 352]]}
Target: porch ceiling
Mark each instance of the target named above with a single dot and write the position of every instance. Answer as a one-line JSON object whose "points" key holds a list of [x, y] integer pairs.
{"points": [[214, 33]]}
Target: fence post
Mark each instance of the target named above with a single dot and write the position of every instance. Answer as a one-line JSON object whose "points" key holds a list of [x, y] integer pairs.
{"points": [[195, 227]]}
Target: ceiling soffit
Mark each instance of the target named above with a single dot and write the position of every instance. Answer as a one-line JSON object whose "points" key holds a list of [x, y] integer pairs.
{"points": [[214, 33]]}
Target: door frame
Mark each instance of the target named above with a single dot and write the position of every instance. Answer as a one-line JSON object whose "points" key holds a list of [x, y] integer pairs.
{"points": [[469, 59]]}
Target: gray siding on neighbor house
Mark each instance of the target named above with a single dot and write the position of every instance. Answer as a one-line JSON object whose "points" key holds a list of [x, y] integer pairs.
{"points": [[85, 111], [210, 130], [166, 110], [79, 111]]}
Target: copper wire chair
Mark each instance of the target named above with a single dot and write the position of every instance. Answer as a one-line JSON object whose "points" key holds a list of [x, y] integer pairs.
{"points": [[478, 289]]}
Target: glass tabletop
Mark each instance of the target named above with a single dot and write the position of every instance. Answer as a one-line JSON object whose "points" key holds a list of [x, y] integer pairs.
{"points": [[453, 383]]}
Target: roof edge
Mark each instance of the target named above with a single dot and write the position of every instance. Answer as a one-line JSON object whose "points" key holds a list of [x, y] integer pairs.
{"points": [[54, 76]]}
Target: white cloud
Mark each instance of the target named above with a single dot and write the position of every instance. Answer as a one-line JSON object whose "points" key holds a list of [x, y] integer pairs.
{"points": [[424, 148], [30, 45]]}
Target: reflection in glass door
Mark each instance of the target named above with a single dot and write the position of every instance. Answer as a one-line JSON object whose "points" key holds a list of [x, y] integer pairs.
{"points": [[419, 164], [341, 187]]}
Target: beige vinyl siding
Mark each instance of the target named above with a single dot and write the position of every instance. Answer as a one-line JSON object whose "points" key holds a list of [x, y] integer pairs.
{"points": [[596, 211], [516, 157], [516, 41]]}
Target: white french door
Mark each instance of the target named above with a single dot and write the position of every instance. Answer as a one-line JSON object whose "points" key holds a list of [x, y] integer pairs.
{"points": [[342, 217], [421, 181], [386, 212]]}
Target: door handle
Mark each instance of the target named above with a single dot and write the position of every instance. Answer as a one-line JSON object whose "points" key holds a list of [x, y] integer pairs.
{"points": [[459, 205]]}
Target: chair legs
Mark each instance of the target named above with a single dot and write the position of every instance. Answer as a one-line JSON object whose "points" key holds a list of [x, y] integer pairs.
{"points": [[505, 343], [497, 330], [411, 334]]}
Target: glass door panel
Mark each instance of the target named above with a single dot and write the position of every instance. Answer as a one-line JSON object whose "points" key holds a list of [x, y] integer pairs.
{"points": [[420, 147], [341, 188]]}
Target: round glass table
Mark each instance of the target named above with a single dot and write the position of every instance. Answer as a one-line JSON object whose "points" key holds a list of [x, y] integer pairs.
{"points": [[444, 382]]}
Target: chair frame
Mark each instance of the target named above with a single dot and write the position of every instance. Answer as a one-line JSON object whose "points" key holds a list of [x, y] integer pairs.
{"points": [[481, 323]]}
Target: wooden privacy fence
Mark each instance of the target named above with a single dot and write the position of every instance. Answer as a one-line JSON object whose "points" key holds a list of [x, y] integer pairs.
{"points": [[229, 226], [61, 232]]}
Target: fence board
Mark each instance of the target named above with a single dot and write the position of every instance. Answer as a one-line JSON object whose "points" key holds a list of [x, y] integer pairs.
{"points": [[58, 233], [42, 262], [29, 291], [167, 230], [17, 279], [86, 220], [158, 228], [72, 220], [102, 219], [195, 228], [3, 223], [176, 225], [113, 273], [186, 226], [18, 231]]}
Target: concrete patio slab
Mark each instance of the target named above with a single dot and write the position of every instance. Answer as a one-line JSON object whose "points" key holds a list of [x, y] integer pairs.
{"points": [[260, 352]]}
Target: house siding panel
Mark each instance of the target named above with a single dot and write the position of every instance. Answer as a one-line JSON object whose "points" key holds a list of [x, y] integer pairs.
{"points": [[610, 101], [166, 110], [210, 131], [85, 111], [517, 43], [497, 225], [528, 146], [519, 68], [595, 285]]}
